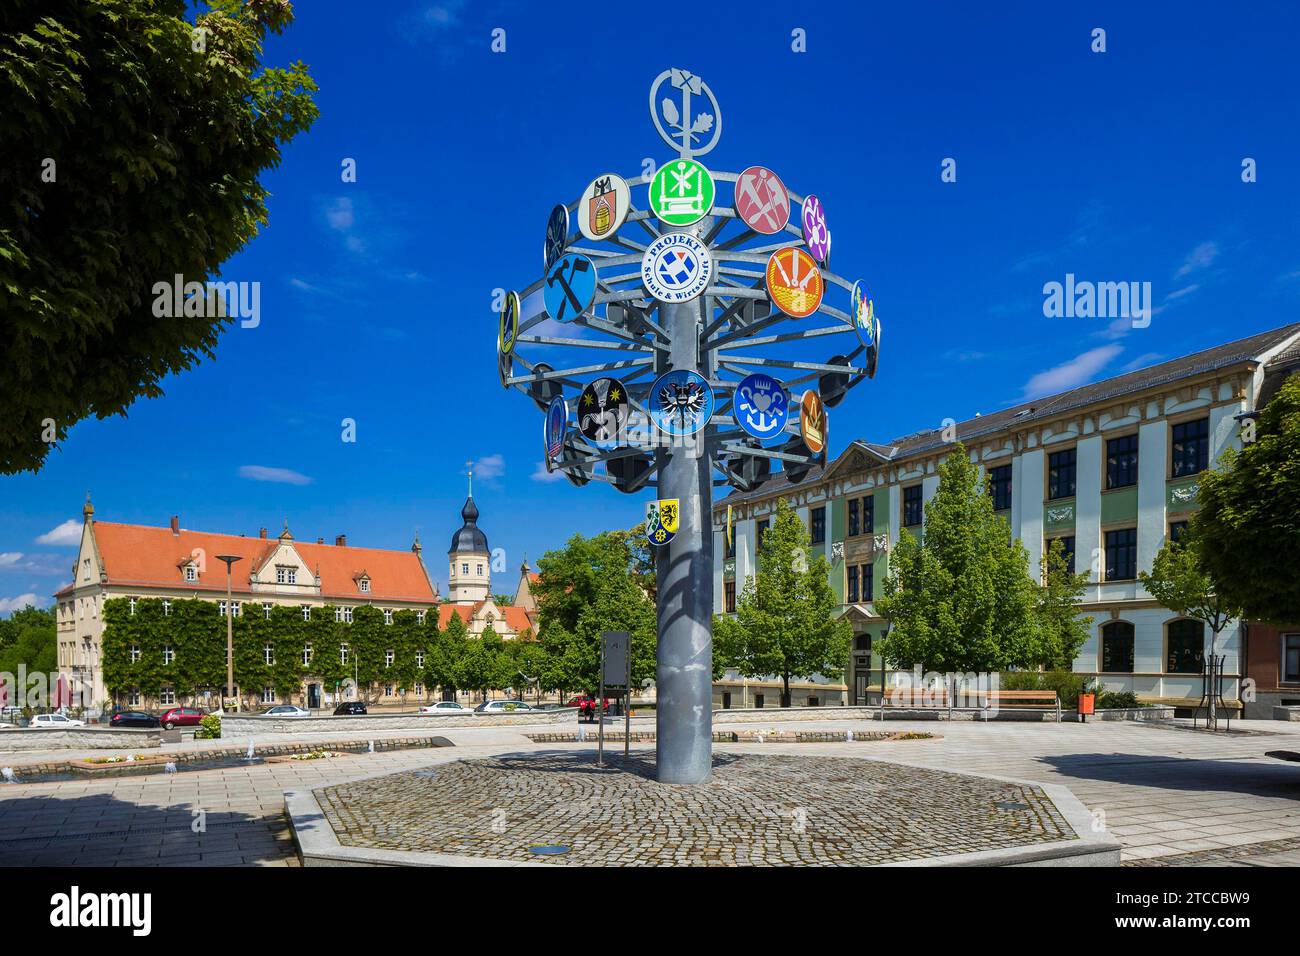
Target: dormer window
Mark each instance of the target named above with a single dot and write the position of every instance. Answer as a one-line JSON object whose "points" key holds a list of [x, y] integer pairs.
{"points": [[191, 573], [363, 585], [285, 575]]}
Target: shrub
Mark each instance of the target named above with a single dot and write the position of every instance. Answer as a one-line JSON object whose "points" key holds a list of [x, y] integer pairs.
{"points": [[1119, 700], [209, 727], [1067, 684]]}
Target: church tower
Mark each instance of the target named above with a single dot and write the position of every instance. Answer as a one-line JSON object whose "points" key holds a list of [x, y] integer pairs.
{"points": [[469, 560]]}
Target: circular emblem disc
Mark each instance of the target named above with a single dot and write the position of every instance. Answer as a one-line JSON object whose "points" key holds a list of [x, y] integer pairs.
{"points": [[681, 192], [860, 310], [603, 206], [762, 201], [794, 283], [508, 328], [569, 287], [557, 419], [602, 412], [815, 233], [676, 267], [557, 236], [681, 402], [812, 422], [762, 405]]}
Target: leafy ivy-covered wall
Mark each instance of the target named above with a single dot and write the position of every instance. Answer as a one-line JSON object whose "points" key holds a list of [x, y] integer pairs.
{"points": [[196, 631]]}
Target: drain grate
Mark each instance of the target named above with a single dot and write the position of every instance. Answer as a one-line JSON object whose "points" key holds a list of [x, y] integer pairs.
{"points": [[1011, 805]]}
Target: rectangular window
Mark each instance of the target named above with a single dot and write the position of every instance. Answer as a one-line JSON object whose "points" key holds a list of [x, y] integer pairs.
{"points": [[133, 697], [167, 608], [758, 701], [338, 615], [1117, 647], [1191, 448], [388, 657], [266, 610], [364, 585], [464, 569], [1060, 474], [419, 662], [268, 695], [855, 525], [306, 613], [169, 653], [912, 506], [1121, 554], [1176, 529], [388, 690], [343, 653], [419, 690], [868, 583], [1186, 647], [281, 575], [268, 653], [1291, 658], [851, 590], [306, 654], [135, 653], [388, 615], [818, 530], [729, 596], [761, 527], [1122, 461], [729, 543], [132, 602], [221, 608], [419, 616], [293, 575], [479, 568], [1000, 487], [869, 514], [347, 615], [167, 696]]}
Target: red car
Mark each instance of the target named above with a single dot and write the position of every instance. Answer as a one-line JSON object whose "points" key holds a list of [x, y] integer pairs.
{"points": [[586, 705], [182, 717]]}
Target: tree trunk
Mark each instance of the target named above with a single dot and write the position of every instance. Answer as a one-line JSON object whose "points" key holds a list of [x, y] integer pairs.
{"points": [[785, 692]]}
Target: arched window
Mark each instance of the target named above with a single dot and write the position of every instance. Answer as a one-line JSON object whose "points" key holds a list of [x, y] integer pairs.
{"points": [[1185, 647], [1117, 647]]}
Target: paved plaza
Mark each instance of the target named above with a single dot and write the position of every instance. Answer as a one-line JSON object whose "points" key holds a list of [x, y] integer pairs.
{"points": [[1169, 794], [757, 810]]}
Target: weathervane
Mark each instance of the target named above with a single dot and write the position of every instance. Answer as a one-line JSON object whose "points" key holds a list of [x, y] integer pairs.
{"points": [[663, 383]]}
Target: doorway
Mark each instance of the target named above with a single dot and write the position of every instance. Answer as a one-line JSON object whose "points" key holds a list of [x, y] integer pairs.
{"points": [[313, 696]]}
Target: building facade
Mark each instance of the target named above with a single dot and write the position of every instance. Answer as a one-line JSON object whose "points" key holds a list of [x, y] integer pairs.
{"points": [[1110, 469]]}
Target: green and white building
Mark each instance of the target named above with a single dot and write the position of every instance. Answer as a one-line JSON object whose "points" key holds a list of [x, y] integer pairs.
{"points": [[1111, 468]]}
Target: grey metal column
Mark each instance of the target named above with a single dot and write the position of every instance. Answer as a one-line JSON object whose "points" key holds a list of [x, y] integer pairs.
{"points": [[684, 572]]}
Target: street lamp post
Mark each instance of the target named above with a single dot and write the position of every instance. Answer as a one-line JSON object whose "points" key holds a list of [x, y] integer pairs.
{"points": [[230, 559]]}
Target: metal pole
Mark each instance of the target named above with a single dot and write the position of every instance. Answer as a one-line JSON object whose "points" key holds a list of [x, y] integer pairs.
{"points": [[684, 667], [627, 707], [230, 639], [599, 709], [1213, 720]]}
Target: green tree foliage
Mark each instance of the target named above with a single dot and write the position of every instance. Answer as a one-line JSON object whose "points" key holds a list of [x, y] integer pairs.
{"points": [[1179, 581], [784, 622], [28, 639], [1249, 515], [196, 632], [592, 585], [962, 600], [157, 149], [1064, 630]]}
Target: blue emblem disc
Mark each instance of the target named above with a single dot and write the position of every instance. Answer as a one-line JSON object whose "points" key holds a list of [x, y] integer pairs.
{"points": [[681, 402], [569, 287], [762, 406]]}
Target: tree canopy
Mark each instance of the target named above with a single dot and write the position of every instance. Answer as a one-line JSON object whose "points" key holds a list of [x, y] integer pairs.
{"points": [[1249, 515], [785, 622], [132, 140], [962, 599]]}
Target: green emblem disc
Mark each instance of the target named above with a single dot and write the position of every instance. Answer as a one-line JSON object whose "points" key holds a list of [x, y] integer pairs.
{"points": [[681, 193]]}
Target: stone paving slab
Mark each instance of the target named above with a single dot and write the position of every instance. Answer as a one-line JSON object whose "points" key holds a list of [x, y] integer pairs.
{"points": [[757, 810]]}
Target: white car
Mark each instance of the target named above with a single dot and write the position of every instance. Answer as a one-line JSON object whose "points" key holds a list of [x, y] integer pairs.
{"points": [[55, 720], [502, 707], [442, 707], [287, 710]]}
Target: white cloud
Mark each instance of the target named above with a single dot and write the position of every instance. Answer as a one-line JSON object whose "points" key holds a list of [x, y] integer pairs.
{"points": [[489, 467], [442, 15], [1185, 290], [10, 558], [282, 475], [541, 474], [67, 533], [1198, 258], [18, 603], [1142, 361], [1071, 374], [340, 215]]}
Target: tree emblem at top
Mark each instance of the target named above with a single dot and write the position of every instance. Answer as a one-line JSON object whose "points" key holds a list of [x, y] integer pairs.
{"points": [[690, 132]]}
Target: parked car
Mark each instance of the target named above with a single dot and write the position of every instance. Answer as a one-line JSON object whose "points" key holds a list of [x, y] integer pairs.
{"points": [[286, 710], [182, 717], [501, 707], [586, 705], [56, 721], [349, 708], [134, 718], [442, 707]]}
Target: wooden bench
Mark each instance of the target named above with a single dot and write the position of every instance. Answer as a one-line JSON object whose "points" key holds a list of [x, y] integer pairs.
{"points": [[918, 698], [1047, 700]]}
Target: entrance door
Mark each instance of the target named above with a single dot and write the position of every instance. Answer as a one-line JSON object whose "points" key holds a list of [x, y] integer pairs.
{"points": [[313, 696], [860, 680]]}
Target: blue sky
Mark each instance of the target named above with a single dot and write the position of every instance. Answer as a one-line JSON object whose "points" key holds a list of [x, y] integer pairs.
{"points": [[376, 295]]}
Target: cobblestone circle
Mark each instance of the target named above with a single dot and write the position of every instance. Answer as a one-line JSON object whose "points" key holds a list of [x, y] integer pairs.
{"points": [[758, 810]]}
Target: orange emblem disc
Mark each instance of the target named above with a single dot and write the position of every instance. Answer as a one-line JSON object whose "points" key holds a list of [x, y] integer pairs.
{"points": [[794, 283]]}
